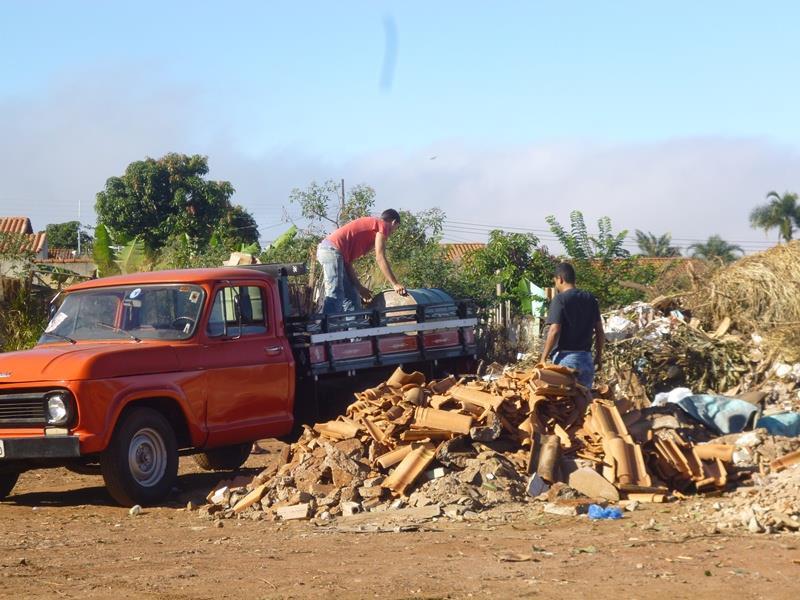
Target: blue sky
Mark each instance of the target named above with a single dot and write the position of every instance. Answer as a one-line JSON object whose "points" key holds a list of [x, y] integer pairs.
{"points": [[529, 107]]}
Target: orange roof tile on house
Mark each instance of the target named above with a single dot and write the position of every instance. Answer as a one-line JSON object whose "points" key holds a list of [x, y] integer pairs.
{"points": [[456, 252], [20, 229], [15, 225]]}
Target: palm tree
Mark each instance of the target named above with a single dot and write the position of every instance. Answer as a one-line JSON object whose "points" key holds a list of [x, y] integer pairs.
{"points": [[652, 245], [781, 212], [716, 249]]}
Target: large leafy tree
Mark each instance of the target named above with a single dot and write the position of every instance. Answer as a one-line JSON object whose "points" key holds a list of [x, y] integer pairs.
{"points": [[327, 204], [716, 249], [781, 212], [158, 198], [65, 235], [602, 265], [507, 259], [659, 246]]}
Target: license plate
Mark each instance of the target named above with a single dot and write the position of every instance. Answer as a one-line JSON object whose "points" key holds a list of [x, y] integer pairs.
{"points": [[2, 450]]}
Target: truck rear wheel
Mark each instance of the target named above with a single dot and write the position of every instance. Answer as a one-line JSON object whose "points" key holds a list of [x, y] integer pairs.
{"points": [[226, 458], [140, 465], [7, 483]]}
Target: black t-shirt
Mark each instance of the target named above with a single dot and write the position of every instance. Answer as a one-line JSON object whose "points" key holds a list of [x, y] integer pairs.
{"points": [[577, 312]]}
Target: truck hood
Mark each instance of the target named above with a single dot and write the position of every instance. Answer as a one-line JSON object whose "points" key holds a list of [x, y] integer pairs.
{"points": [[60, 362]]}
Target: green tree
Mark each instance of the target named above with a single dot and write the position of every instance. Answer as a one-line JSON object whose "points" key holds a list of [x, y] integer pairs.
{"points": [[158, 198], [323, 205], [238, 228], [580, 244], [507, 259], [653, 245], [780, 212], [183, 252], [716, 249], [292, 245], [415, 252], [602, 265], [103, 252], [65, 235]]}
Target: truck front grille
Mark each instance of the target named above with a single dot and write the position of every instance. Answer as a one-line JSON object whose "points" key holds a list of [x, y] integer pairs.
{"points": [[22, 409]]}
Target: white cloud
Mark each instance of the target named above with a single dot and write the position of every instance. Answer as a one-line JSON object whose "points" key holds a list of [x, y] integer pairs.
{"points": [[61, 146]]}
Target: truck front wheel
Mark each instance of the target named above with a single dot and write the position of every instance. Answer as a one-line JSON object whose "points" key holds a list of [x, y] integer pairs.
{"points": [[7, 483], [140, 465], [226, 458]]}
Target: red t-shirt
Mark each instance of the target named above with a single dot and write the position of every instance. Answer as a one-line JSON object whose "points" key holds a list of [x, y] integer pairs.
{"points": [[357, 238]]}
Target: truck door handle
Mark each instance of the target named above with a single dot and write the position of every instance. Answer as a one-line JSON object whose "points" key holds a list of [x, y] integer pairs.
{"points": [[273, 349]]}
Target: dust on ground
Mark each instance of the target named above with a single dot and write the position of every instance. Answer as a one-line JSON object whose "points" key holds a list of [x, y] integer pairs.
{"points": [[63, 537]]}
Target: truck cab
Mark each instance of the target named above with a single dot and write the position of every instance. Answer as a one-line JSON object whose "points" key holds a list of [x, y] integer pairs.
{"points": [[133, 369]]}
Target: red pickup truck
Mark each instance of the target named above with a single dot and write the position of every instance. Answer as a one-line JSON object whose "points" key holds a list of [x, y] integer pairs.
{"points": [[133, 371]]}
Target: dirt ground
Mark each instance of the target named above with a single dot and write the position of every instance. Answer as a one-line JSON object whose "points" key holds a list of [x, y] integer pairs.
{"points": [[62, 537]]}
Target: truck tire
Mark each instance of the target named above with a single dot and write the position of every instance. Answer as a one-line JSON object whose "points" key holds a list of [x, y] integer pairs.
{"points": [[227, 458], [7, 483], [140, 465]]}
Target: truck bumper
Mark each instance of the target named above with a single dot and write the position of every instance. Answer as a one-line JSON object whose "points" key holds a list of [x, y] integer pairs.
{"points": [[50, 446]]}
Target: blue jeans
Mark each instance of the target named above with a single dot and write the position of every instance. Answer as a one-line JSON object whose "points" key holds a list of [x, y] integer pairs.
{"points": [[340, 293], [583, 362]]}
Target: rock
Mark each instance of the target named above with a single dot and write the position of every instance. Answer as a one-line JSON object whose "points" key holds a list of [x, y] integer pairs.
{"points": [[294, 512], [250, 499], [135, 511], [562, 510], [371, 503], [632, 505], [371, 492], [487, 433], [537, 485], [190, 506], [300, 498], [753, 526], [592, 485]]}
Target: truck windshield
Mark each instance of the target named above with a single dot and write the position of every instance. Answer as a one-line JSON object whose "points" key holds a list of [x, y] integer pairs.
{"points": [[165, 312]]}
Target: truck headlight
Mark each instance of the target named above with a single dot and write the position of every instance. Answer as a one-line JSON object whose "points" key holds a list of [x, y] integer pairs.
{"points": [[59, 408]]}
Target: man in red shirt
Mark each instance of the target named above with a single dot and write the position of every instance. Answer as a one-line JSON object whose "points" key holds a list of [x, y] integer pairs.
{"points": [[337, 253]]}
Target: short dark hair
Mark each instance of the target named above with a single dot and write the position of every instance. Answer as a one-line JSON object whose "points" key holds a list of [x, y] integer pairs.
{"points": [[566, 272], [390, 215]]}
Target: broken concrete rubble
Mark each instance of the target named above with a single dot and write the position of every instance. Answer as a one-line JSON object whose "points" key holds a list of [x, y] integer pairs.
{"points": [[524, 433]]}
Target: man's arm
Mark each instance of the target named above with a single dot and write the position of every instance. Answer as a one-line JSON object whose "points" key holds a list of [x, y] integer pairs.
{"points": [[383, 263], [364, 292], [599, 343], [552, 336]]}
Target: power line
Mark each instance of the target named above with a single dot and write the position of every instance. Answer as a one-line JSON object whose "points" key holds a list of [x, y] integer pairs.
{"points": [[467, 227]]}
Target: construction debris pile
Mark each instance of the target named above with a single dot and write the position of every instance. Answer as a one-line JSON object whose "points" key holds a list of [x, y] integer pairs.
{"points": [[772, 502], [737, 331], [463, 445]]}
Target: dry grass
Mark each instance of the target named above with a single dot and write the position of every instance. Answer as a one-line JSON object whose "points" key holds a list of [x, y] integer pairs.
{"points": [[758, 292]]}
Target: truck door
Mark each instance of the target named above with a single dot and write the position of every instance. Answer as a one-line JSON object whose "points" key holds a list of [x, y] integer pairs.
{"points": [[248, 366]]}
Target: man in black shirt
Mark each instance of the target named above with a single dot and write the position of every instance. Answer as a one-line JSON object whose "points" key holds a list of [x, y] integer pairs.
{"points": [[574, 317]]}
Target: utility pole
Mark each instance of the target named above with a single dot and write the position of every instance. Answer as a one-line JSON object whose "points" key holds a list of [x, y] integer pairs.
{"points": [[79, 227], [342, 210]]}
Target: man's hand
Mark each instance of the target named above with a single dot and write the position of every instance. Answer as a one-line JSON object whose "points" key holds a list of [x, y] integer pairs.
{"points": [[400, 289], [365, 293]]}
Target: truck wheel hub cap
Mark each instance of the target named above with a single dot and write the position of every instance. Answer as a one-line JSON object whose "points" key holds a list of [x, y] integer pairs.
{"points": [[147, 457]]}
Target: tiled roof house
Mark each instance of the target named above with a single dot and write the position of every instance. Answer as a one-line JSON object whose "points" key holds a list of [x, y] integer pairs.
{"points": [[19, 230]]}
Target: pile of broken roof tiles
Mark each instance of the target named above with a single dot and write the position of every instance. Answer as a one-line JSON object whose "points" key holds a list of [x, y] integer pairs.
{"points": [[523, 430]]}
